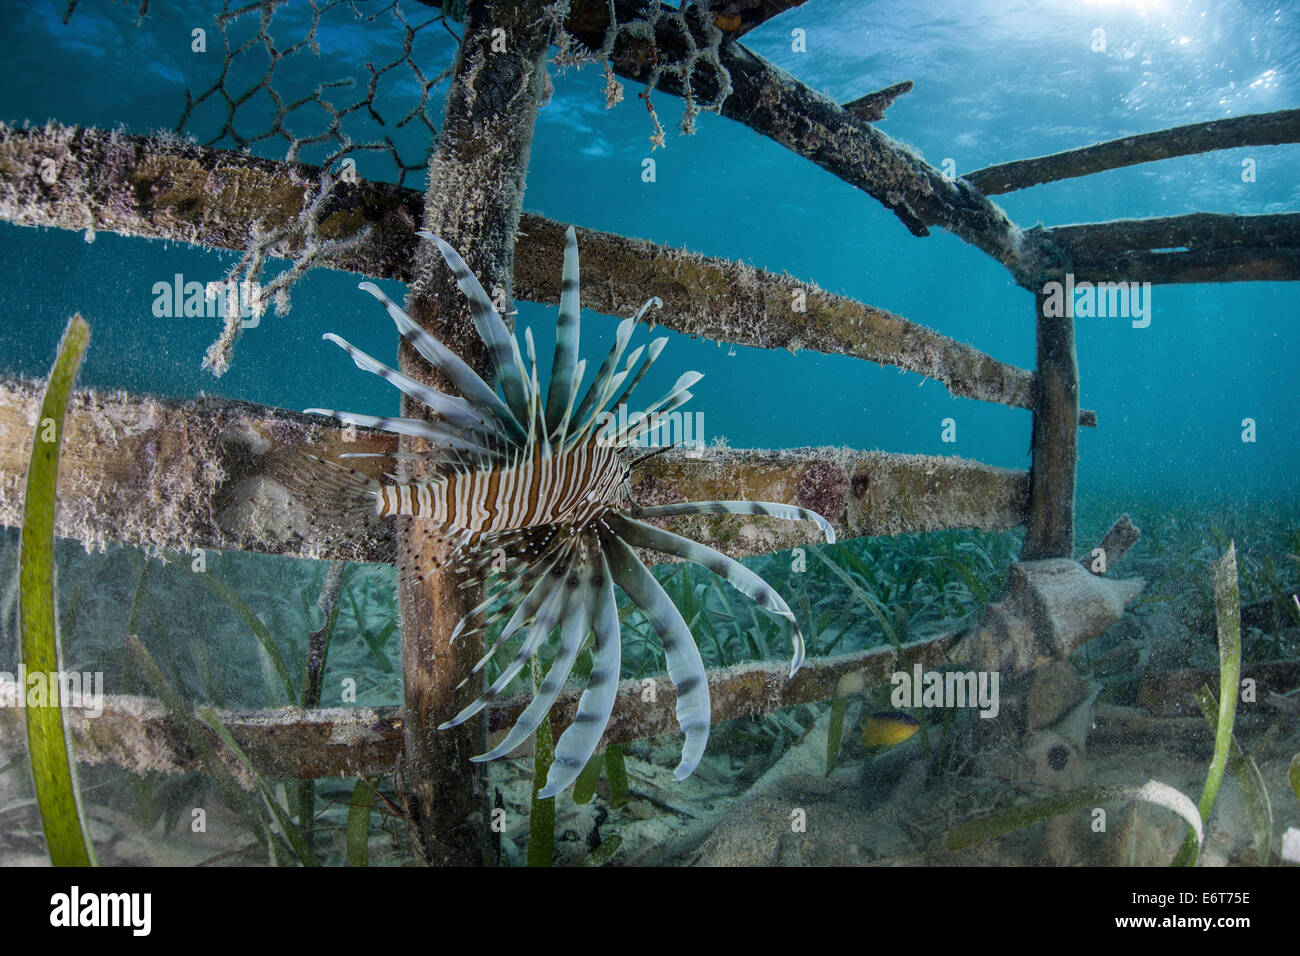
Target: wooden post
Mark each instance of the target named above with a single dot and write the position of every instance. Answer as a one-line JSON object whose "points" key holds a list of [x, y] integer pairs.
{"points": [[475, 187], [1055, 446]]}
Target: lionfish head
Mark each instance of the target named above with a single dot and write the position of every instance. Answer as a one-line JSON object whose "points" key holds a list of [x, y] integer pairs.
{"points": [[553, 563]]}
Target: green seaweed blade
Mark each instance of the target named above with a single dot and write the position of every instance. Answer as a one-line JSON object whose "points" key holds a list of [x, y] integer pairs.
{"points": [[358, 832], [541, 819], [47, 745], [584, 788], [835, 733], [1227, 609], [541, 816]]}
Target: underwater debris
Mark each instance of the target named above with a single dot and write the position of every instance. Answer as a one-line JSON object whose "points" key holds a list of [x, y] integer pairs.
{"points": [[1123, 534], [1049, 609], [532, 496]]}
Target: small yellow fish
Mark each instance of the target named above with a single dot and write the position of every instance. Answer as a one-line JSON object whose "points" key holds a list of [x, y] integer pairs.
{"points": [[888, 729]]}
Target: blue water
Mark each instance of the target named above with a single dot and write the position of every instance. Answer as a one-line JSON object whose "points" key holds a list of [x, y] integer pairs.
{"points": [[994, 82]]}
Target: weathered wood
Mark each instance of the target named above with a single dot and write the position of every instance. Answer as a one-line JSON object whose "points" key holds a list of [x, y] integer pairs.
{"points": [[475, 191], [746, 690], [1055, 442], [174, 475], [861, 493], [773, 103], [733, 302], [1257, 129], [1201, 247], [1233, 264], [871, 108], [169, 189], [164, 187], [1123, 534], [140, 735]]}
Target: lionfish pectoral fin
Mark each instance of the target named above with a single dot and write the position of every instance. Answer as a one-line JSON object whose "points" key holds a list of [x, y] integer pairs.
{"points": [[580, 740], [548, 615], [767, 508], [573, 631], [642, 535], [685, 667]]}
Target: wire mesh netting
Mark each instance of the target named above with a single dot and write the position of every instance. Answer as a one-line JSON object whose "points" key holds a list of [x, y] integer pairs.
{"points": [[253, 101]]}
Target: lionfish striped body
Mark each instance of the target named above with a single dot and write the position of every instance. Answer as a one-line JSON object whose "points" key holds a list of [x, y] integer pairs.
{"points": [[570, 486], [533, 496]]}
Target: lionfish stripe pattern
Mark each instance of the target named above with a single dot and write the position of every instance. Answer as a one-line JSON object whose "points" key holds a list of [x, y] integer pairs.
{"points": [[532, 495]]}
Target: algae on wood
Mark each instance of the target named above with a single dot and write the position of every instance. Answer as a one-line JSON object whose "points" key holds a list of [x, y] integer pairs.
{"points": [[1055, 442], [188, 190], [175, 475], [1256, 129], [475, 188], [162, 474], [1199, 247]]}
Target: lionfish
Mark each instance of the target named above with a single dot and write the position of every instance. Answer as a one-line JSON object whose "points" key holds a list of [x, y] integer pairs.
{"points": [[533, 496]]}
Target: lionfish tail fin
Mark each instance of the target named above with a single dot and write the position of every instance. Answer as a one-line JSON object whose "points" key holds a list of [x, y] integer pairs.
{"points": [[325, 486]]}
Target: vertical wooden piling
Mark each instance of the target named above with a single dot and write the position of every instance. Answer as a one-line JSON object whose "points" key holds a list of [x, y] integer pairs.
{"points": [[1055, 447], [475, 189]]}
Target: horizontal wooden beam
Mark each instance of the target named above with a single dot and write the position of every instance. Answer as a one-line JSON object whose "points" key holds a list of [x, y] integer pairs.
{"points": [[138, 734], [1201, 247], [728, 301], [176, 475], [170, 189], [1257, 129], [862, 494], [746, 690]]}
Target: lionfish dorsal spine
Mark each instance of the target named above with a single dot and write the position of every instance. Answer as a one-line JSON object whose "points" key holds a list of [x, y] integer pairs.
{"points": [[559, 398]]}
